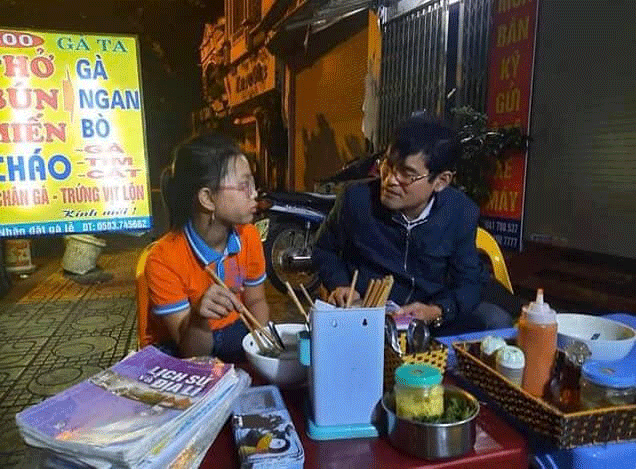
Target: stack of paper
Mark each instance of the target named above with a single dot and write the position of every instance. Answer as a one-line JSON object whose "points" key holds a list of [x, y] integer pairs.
{"points": [[150, 410]]}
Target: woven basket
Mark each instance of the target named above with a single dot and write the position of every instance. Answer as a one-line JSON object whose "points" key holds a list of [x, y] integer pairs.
{"points": [[564, 430], [436, 356]]}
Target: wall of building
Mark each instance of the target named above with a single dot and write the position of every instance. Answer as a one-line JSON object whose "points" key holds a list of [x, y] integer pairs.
{"points": [[328, 110]]}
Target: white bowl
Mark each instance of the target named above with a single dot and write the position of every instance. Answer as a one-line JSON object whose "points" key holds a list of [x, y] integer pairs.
{"points": [[614, 341], [285, 370]]}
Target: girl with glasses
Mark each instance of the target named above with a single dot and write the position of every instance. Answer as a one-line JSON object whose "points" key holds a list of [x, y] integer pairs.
{"points": [[211, 196]]}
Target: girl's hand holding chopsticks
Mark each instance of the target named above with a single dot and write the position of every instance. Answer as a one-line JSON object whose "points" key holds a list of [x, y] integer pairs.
{"points": [[248, 318], [217, 302]]}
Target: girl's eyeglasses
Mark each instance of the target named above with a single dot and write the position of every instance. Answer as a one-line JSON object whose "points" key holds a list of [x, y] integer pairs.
{"points": [[247, 187], [404, 179]]}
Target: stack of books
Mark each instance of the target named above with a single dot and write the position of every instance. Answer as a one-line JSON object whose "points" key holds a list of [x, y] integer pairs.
{"points": [[150, 410]]}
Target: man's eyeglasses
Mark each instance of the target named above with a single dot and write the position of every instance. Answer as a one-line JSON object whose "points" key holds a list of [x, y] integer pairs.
{"points": [[403, 178], [247, 187]]}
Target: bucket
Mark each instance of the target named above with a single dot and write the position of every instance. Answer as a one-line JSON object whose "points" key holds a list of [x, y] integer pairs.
{"points": [[17, 255], [81, 253]]}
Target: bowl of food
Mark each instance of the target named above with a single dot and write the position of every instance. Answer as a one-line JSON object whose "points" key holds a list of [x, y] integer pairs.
{"points": [[449, 435], [280, 368], [606, 339]]}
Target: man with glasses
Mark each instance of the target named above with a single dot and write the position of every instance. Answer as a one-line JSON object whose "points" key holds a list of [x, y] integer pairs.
{"points": [[410, 223]]}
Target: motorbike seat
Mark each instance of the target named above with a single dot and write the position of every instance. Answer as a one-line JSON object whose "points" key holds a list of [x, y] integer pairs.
{"points": [[321, 202]]}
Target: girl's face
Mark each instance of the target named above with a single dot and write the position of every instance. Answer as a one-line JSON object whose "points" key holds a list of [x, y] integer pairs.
{"points": [[235, 201]]}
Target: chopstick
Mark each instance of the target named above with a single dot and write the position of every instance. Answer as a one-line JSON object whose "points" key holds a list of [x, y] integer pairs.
{"points": [[386, 291], [379, 286], [378, 292], [257, 339], [353, 284], [246, 315], [306, 294], [373, 293], [292, 295], [367, 294]]}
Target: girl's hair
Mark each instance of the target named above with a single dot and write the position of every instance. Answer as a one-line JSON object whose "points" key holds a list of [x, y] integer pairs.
{"points": [[199, 162]]}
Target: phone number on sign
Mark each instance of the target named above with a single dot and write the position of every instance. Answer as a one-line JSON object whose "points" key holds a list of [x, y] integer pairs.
{"points": [[118, 225]]}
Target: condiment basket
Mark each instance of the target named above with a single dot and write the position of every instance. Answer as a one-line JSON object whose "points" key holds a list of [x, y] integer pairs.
{"points": [[564, 430]]}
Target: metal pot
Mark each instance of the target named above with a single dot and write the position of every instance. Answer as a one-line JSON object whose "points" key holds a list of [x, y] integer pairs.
{"points": [[432, 440]]}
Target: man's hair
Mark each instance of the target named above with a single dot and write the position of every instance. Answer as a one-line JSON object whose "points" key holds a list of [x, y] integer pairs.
{"points": [[202, 161], [437, 143]]}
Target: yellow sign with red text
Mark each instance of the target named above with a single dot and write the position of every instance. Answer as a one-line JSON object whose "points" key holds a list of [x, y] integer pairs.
{"points": [[72, 138]]}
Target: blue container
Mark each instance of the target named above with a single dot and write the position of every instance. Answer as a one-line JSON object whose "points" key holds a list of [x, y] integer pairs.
{"points": [[346, 371]]}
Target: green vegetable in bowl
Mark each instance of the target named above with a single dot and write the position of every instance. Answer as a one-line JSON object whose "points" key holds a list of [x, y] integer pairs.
{"points": [[455, 410]]}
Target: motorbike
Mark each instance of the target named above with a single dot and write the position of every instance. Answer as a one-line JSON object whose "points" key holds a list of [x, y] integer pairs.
{"points": [[288, 223], [288, 232]]}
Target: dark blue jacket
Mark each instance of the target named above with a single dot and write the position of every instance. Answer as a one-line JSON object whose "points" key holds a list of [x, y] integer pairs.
{"points": [[434, 261]]}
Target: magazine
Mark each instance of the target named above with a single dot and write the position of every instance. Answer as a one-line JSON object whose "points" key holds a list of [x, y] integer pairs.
{"points": [[123, 412], [183, 449], [186, 447]]}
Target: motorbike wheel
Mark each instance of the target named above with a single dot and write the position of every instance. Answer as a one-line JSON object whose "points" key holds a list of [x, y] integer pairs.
{"points": [[281, 240]]}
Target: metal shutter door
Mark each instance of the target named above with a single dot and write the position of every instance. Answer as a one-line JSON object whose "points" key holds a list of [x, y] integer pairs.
{"points": [[581, 179]]}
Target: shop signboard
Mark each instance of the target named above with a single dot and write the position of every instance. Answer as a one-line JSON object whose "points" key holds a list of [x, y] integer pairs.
{"points": [[73, 155], [253, 76], [509, 99]]}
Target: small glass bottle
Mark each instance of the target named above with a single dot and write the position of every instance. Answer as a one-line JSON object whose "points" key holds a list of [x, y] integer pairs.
{"points": [[565, 390], [418, 392]]}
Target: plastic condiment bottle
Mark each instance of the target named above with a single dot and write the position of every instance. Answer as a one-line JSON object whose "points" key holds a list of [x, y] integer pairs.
{"points": [[537, 338], [510, 363], [488, 349]]}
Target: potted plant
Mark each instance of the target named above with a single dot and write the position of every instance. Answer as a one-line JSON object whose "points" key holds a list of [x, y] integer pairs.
{"points": [[483, 148]]}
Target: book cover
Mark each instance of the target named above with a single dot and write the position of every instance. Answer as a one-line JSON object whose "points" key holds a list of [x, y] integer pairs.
{"points": [[129, 401], [183, 448]]}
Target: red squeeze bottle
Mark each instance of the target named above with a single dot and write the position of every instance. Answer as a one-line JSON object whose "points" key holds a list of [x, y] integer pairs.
{"points": [[537, 337]]}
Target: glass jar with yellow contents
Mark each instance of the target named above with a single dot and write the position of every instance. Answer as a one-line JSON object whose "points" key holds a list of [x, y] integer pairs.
{"points": [[418, 392]]}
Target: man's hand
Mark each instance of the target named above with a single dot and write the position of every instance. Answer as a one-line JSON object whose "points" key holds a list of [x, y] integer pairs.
{"points": [[340, 295], [217, 302], [427, 313]]}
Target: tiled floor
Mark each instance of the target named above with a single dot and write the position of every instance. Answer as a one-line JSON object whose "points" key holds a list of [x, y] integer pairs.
{"points": [[60, 333]]}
